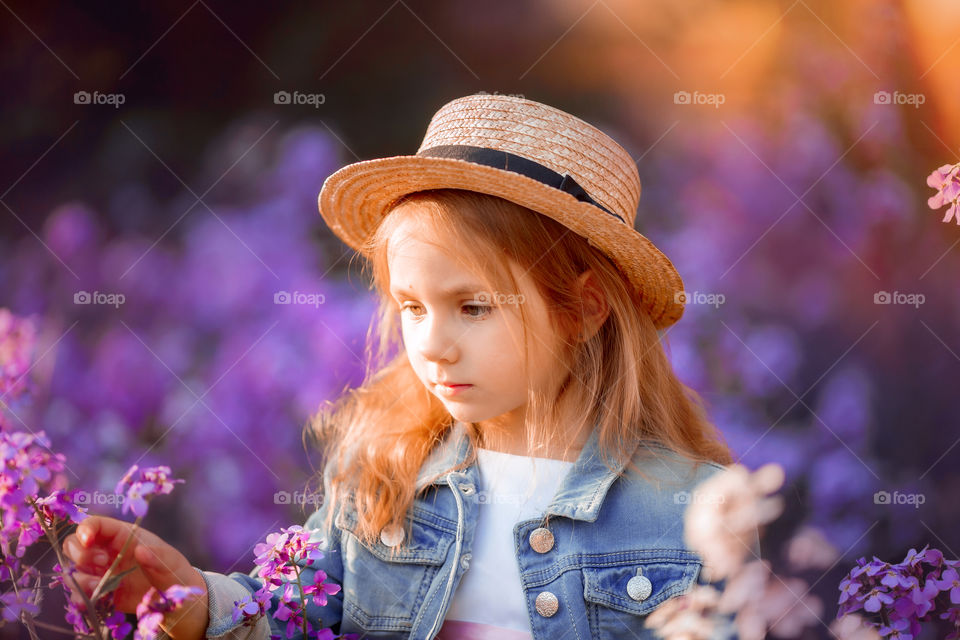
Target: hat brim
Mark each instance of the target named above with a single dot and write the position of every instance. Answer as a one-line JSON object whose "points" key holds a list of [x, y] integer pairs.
{"points": [[355, 198]]}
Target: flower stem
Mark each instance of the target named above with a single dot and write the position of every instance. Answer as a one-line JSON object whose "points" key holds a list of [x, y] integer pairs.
{"points": [[90, 615], [303, 600], [53, 627], [116, 560]]}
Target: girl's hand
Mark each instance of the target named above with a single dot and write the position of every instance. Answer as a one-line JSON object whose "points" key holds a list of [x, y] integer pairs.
{"points": [[99, 539]]}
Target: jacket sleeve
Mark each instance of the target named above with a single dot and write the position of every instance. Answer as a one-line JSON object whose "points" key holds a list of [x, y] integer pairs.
{"points": [[224, 590]]}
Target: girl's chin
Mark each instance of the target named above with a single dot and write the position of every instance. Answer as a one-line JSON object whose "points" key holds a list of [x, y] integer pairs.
{"points": [[465, 413]]}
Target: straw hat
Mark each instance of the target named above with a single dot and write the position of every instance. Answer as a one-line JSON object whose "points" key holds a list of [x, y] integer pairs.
{"points": [[529, 153]]}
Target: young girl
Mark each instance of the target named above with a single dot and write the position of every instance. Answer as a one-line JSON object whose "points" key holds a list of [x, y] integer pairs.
{"points": [[519, 458]]}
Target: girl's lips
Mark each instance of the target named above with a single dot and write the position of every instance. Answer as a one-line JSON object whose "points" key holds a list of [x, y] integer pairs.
{"points": [[451, 389]]}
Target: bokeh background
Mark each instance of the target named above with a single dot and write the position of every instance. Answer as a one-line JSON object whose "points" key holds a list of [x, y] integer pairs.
{"points": [[788, 192]]}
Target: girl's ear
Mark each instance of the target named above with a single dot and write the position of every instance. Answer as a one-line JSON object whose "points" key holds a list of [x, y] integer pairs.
{"points": [[593, 304]]}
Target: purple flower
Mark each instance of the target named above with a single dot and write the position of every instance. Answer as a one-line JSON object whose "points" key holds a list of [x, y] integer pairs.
{"points": [[27, 460], [278, 556], [877, 599], [26, 466], [16, 602], [848, 588], [61, 505], [17, 342], [156, 604], [950, 581], [118, 625], [893, 578], [901, 595], [74, 615], [281, 560], [897, 629], [139, 485], [292, 614], [320, 588], [952, 615], [253, 606], [927, 555]]}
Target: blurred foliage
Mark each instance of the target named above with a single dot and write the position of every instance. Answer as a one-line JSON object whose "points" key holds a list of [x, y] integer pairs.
{"points": [[798, 199]]}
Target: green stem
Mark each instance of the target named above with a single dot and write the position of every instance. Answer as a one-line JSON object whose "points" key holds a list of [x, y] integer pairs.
{"points": [[303, 600], [116, 559], [884, 616]]}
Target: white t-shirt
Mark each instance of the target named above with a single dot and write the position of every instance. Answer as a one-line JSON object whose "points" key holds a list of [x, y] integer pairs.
{"points": [[489, 603]]}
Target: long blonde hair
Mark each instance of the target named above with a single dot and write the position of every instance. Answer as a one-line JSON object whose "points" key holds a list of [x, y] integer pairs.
{"points": [[379, 434]]}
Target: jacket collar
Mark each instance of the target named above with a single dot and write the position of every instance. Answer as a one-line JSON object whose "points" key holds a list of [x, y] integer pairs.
{"points": [[580, 495]]}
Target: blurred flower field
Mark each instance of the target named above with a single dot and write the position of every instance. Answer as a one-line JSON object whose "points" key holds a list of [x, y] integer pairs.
{"points": [[194, 314]]}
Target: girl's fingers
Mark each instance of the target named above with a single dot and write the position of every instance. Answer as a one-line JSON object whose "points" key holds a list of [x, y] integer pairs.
{"points": [[88, 557], [107, 531], [164, 566], [86, 581], [111, 533], [88, 530]]}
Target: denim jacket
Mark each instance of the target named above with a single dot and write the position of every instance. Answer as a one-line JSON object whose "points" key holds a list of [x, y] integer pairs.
{"points": [[604, 529]]}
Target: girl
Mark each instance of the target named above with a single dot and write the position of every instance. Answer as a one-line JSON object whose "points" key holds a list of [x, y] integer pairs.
{"points": [[518, 460]]}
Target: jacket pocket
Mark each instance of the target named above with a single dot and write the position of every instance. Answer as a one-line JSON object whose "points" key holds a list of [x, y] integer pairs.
{"points": [[613, 612], [384, 587]]}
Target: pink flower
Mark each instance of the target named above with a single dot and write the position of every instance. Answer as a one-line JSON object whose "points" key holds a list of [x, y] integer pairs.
{"points": [[809, 549], [17, 341], [688, 616], [947, 183], [788, 607], [762, 600], [139, 485], [320, 588], [728, 508], [853, 627]]}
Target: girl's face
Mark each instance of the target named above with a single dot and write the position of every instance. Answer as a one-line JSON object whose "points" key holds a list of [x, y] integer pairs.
{"points": [[454, 334]]}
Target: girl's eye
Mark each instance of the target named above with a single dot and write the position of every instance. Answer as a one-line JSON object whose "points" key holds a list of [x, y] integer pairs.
{"points": [[476, 311], [483, 310], [408, 307]]}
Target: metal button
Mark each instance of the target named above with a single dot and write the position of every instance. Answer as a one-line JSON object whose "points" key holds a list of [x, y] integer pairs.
{"points": [[541, 540], [467, 489], [391, 535], [639, 587], [465, 561], [547, 604]]}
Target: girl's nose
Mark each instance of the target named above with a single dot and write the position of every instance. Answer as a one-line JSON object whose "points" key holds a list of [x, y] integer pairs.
{"points": [[438, 341]]}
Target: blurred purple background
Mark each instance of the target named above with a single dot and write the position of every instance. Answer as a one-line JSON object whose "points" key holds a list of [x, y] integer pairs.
{"points": [[789, 194]]}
